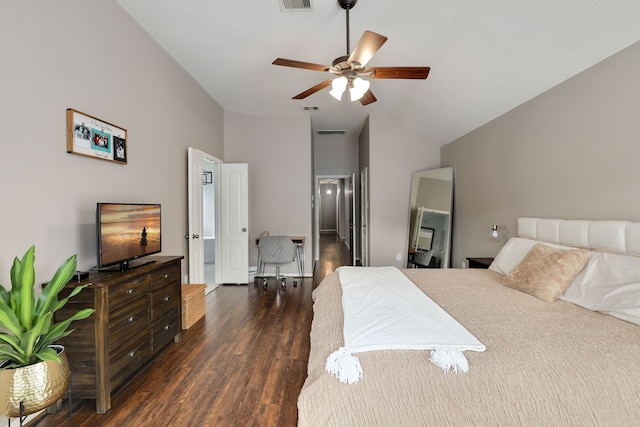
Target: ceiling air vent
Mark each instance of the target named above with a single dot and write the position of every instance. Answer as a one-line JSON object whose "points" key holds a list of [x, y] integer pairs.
{"points": [[289, 5], [332, 132]]}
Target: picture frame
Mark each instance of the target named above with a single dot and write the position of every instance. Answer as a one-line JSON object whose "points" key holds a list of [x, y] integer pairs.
{"points": [[92, 137]]}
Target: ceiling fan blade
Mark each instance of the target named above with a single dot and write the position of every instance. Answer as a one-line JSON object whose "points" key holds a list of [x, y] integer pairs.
{"points": [[368, 45], [313, 90], [400, 72], [368, 98], [299, 64]]}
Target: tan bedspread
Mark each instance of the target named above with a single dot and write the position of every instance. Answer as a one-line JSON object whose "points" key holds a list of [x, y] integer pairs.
{"points": [[545, 364]]}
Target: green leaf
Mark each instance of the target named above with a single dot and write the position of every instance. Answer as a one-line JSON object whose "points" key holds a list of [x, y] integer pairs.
{"points": [[17, 358], [16, 284], [26, 297], [59, 330], [30, 339], [48, 354], [49, 296], [15, 273], [64, 301], [5, 298], [12, 342], [9, 321]]}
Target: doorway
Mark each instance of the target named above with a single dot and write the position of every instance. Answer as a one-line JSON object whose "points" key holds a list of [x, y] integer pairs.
{"points": [[203, 195], [219, 213], [335, 217], [209, 223], [364, 216]]}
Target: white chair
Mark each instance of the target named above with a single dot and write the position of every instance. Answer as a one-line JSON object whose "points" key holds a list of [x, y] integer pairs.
{"points": [[422, 259], [276, 250]]}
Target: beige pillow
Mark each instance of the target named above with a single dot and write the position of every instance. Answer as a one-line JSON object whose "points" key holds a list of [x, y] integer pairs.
{"points": [[546, 272]]}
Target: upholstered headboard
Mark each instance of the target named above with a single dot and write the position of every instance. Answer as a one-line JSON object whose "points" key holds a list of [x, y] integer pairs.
{"points": [[617, 236]]}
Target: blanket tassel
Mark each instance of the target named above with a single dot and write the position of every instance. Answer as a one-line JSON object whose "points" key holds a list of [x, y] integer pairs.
{"points": [[344, 366], [448, 358]]}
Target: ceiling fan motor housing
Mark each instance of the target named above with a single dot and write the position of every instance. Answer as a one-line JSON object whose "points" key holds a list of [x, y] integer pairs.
{"points": [[347, 4]]}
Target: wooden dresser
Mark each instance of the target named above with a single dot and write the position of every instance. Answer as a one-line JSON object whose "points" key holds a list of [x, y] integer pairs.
{"points": [[137, 314]]}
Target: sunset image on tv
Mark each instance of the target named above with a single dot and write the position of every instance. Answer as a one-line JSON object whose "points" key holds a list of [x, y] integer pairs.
{"points": [[129, 231]]}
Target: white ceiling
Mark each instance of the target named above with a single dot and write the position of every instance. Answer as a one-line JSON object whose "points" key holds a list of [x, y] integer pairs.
{"points": [[486, 56]]}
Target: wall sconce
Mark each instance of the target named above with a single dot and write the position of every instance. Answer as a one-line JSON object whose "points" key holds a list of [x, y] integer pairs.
{"points": [[498, 232], [207, 177]]}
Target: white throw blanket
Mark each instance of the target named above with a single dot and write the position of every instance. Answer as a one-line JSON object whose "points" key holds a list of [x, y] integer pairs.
{"points": [[384, 310]]}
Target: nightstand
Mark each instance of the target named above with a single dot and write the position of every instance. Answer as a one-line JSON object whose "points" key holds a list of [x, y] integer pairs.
{"points": [[479, 262]]}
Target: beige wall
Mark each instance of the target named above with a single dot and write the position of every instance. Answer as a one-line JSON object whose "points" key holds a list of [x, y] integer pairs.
{"points": [[395, 153], [278, 151], [335, 154], [572, 152], [106, 66]]}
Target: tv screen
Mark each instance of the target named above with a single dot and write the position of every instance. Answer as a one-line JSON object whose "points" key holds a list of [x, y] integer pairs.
{"points": [[127, 231]]}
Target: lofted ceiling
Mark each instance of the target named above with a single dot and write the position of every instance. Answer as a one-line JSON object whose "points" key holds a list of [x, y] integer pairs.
{"points": [[486, 56]]}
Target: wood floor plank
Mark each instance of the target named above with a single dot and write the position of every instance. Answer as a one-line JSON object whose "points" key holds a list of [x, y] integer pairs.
{"points": [[243, 364]]}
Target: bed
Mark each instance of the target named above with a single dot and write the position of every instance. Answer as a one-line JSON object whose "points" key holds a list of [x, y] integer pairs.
{"points": [[546, 363]]}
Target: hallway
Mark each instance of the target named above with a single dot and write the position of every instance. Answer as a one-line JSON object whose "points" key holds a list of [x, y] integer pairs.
{"points": [[333, 254]]}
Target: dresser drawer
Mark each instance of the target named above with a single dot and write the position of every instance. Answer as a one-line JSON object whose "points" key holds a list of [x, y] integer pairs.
{"points": [[165, 330], [128, 321], [166, 276], [125, 292], [163, 301], [128, 358]]}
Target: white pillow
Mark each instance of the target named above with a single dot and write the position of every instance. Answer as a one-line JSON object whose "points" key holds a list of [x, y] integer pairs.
{"points": [[609, 283], [514, 251]]}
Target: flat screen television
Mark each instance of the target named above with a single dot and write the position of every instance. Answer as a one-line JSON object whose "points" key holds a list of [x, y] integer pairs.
{"points": [[127, 231]]}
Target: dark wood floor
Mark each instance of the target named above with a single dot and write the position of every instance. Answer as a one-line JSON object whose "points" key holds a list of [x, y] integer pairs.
{"points": [[242, 365]]}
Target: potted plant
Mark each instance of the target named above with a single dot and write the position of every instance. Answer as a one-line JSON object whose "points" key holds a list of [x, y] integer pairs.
{"points": [[34, 373]]}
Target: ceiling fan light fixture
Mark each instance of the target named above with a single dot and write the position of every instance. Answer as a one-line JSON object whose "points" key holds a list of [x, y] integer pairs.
{"points": [[338, 86], [358, 88]]}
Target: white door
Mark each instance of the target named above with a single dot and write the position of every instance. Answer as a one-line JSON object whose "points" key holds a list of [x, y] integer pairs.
{"points": [[364, 216], [196, 162], [234, 223]]}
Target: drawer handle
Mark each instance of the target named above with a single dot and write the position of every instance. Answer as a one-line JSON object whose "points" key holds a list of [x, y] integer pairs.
{"points": [[130, 291], [132, 353], [131, 319], [166, 276], [167, 299], [166, 327]]}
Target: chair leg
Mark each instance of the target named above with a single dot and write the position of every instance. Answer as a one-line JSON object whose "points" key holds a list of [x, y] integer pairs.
{"points": [[280, 278]]}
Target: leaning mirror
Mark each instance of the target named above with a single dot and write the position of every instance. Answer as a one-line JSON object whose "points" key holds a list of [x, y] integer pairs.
{"points": [[430, 218]]}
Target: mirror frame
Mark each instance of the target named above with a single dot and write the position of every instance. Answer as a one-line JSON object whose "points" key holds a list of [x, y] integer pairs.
{"points": [[444, 240]]}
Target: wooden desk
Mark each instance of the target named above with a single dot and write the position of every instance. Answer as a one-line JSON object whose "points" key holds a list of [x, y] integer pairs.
{"points": [[298, 240]]}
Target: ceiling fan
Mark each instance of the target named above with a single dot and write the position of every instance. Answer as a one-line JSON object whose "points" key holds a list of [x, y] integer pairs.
{"points": [[350, 69]]}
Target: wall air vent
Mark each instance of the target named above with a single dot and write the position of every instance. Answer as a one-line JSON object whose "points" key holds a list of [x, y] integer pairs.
{"points": [[332, 132], [291, 5]]}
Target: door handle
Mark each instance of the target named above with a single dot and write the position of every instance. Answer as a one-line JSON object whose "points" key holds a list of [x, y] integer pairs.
{"points": [[244, 229], [196, 236]]}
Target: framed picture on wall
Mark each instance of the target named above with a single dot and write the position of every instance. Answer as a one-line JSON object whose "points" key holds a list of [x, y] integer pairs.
{"points": [[92, 137]]}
